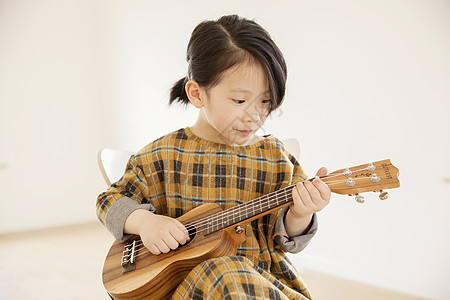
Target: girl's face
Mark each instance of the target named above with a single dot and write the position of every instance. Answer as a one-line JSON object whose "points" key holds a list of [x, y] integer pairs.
{"points": [[234, 109]]}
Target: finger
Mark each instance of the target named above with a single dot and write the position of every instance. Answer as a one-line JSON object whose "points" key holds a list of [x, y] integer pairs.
{"points": [[313, 192], [153, 249], [178, 235], [323, 189], [297, 197], [184, 231], [322, 172], [170, 241], [162, 246], [304, 195]]}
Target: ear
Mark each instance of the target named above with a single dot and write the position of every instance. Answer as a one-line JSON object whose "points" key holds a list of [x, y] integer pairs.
{"points": [[195, 93]]}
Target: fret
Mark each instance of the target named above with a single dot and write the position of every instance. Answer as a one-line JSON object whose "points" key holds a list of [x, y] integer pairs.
{"points": [[238, 216], [268, 204], [206, 229], [211, 224], [214, 224], [218, 223], [247, 210]]}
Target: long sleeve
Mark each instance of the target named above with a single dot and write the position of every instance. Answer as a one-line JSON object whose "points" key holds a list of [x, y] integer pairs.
{"points": [[297, 243], [122, 198]]}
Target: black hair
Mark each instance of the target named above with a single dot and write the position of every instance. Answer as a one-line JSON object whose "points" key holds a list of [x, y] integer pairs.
{"points": [[216, 46]]}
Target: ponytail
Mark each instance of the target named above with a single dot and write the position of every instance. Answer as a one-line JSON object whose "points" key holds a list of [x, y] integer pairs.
{"points": [[178, 92]]}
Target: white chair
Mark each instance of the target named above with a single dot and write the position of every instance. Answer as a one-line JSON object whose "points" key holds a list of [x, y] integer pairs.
{"points": [[293, 146], [112, 162]]}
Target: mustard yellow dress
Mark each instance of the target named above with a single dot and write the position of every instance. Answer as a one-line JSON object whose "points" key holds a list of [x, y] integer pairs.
{"points": [[181, 171]]}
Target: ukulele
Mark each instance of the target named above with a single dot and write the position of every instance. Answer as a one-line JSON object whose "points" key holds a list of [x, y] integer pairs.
{"points": [[130, 271]]}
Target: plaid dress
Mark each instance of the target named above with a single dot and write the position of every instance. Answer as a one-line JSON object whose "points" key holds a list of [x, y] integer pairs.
{"points": [[181, 171]]}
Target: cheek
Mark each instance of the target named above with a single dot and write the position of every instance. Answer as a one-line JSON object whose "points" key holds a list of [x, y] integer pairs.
{"points": [[229, 114], [228, 121], [223, 119], [264, 114], [265, 110]]}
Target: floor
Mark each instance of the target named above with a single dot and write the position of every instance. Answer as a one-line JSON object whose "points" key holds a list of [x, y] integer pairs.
{"points": [[66, 263]]}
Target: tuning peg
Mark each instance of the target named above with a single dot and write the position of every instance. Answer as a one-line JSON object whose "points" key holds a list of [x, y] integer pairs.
{"points": [[359, 198], [350, 182], [347, 172], [371, 167], [374, 178], [383, 195]]}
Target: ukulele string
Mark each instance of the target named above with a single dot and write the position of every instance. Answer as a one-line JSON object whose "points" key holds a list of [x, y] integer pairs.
{"points": [[222, 217], [253, 203], [225, 215], [340, 174], [270, 197], [219, 217], [266, 197], [141, 249]]}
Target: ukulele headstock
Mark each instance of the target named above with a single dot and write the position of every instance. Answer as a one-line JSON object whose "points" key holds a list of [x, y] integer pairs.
{"points": [[373, 177]]}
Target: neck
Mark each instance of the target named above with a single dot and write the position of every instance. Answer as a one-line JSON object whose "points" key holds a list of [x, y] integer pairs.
{"points": [[247, 211]]}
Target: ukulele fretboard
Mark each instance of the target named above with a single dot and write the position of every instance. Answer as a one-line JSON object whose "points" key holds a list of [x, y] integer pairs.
{"points": [[234, 215]]}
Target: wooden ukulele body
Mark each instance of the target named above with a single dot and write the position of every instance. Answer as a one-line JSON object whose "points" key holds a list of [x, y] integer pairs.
{"points": [[157, 276]]}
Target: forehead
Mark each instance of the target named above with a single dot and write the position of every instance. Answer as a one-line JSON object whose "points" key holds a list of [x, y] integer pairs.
{"points": [[245, 78]]}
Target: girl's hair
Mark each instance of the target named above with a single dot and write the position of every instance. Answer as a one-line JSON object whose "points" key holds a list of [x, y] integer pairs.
{"points": [[216, 46]]}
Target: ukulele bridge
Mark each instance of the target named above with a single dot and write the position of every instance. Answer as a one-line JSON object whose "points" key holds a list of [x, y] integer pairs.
{"points": [[129, 257]]}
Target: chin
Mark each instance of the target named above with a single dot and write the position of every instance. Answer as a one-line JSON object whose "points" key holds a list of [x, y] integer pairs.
{"points": [[244, 141]]}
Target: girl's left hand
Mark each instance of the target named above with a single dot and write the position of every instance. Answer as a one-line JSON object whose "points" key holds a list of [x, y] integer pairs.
{"points": [[310, 197]]}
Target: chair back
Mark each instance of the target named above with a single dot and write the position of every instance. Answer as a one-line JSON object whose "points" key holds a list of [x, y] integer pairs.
{"points": [[112, 163], [293, 146]]}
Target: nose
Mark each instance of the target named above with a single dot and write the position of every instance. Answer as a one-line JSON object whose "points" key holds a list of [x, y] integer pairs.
{"points": [[252, 113]]}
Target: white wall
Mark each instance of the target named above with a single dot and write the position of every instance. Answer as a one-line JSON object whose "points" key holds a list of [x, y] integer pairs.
{"points": [[55, 112], [368, 80]]}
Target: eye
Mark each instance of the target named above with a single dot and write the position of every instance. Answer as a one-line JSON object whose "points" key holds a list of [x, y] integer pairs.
{"points": [[266, 103], [237, 101]]}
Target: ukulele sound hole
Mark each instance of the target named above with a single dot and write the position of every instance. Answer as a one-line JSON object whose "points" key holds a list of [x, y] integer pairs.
{"points": [[192, 232]]}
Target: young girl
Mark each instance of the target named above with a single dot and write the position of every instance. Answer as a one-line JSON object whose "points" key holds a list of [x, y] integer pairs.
{"points": [[236, 78]]}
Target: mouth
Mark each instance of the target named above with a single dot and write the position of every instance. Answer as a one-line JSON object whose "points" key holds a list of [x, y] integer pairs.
{"points": [[245, 132]]}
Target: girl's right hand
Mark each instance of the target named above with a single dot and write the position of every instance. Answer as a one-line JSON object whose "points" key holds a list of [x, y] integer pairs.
{"points": [[159, 233]]}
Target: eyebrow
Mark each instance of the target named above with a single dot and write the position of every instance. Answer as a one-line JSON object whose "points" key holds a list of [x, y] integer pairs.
{"points": [[241, 90]]}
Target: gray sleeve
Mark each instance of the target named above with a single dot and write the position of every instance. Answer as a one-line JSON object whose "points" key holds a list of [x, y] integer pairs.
{"points": [[118, 213], [297, 243]]}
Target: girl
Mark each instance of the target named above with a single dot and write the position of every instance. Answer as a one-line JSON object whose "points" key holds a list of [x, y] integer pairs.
{"points": [[236, 78]]}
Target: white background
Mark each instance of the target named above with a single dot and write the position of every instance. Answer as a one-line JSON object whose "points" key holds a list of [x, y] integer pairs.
{"points": [[368, 80]]}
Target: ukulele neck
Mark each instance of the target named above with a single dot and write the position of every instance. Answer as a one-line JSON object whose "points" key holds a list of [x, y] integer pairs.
{"points": [[250, 210], [350, 181]]}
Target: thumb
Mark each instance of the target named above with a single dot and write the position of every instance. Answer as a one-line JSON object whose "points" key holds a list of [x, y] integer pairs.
{"points": [[322, 172]]}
